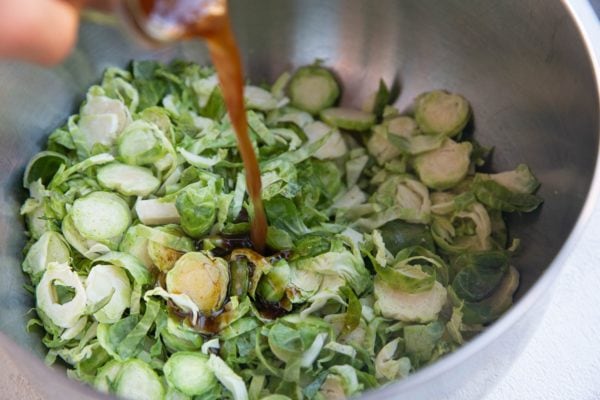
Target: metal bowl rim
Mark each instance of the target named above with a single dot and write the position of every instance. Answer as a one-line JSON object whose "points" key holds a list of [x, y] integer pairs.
{"points": [[583, 17]]}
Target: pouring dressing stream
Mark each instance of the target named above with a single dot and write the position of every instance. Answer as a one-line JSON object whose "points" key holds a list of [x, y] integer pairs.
{"points": [[169, 20]]}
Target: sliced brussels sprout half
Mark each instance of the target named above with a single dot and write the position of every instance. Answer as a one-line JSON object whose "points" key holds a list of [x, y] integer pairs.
{"points": [[197, 206], [88, 248], [398, 235], [129, 180], [129, 263], [137, 381], [440, 112], [179, 336], [35, 211], [142, 143], [409, 307], [253, 261], [291, 338], [50, 247], [112, 281], [402, 126], [190, 373], [492, 307], [379, 145], [405, 192], [203, 278], [136, 245], [313, 88], [388, 366], [519, 180], [497, 197], [463, 231], [157, 212], [478, 274], [303, 285], [339, 262], [420, 340], [100, 216], [43, 166], [273, 285], [348, 118], [101, 121], [295, 116], [107, 375], [342, 382], [332, 388], [160, 117], [259, 99], [117, 84], [60, 295], [404, 134], [399, 197], [334, 145], [164, 257], [445, 167]]}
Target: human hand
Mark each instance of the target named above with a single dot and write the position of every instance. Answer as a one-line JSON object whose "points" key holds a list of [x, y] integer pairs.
{"points": [[41, 31]]}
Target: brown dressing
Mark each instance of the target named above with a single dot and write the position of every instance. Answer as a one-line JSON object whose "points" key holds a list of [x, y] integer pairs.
{"points": [[205, 324], [272, 311], [224, 245], [167, 20], [208, 19], [208, 325]]}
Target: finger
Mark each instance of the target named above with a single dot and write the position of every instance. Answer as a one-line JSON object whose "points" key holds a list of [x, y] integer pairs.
{"points": [[42, 31]]}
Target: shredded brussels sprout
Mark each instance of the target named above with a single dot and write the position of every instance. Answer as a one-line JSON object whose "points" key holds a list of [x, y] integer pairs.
{"points": [[387, 247]]}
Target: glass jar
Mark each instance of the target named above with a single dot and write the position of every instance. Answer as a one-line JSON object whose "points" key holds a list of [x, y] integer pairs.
{"points": [[164, 21]]}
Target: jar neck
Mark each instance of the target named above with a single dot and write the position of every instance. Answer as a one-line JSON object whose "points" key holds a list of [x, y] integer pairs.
{"points": [[158, 22]]}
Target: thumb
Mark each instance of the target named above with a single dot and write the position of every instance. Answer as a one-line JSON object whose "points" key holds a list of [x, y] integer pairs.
{"points": [[42, 31]]}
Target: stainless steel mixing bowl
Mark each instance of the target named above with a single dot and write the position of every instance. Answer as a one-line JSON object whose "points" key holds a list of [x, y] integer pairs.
{"points": [[524, 65]]}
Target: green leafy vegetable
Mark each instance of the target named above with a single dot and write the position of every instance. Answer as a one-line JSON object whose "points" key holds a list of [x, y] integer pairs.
{"points": [[386, 249], [43, 166], [478, 274], [498, 197], [197, 207], [398, 235]]}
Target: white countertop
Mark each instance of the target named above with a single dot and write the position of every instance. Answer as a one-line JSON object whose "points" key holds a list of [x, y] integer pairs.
{"points": [[562, 359]]}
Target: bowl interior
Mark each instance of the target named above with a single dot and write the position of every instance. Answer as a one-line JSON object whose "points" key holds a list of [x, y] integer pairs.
{"points": [[522, 65]]}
